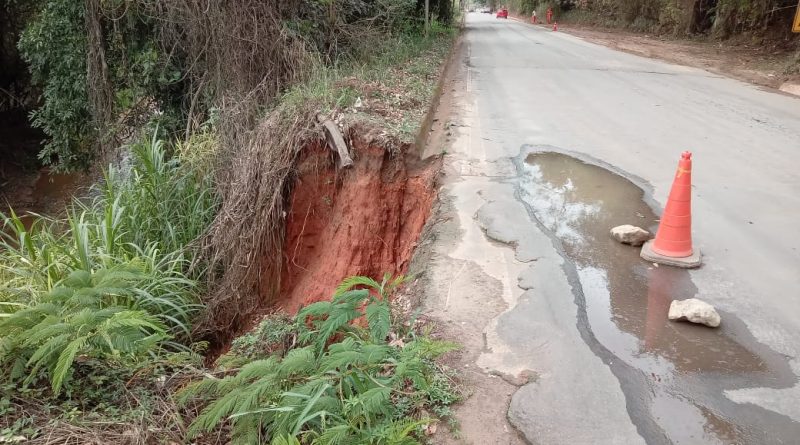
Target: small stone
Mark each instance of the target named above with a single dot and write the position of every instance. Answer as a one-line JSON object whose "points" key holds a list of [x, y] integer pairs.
{"points": [[694, 310], [628, 234], [430, 430]]}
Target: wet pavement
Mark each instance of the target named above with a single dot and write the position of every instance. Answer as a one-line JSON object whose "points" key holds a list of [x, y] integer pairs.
{"points": [[686, 368], [528, 267]]}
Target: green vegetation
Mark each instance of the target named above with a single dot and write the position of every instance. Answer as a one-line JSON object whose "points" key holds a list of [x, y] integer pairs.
{"points": [[768, 19], [106, 309], [103, 66], [398, 77], [341, 371], [342, 383], [54, 46], [116, 281], [135, 72]]}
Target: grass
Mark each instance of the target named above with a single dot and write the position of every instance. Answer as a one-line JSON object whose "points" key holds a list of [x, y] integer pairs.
{"points": [[395, 84], [97, 308]]}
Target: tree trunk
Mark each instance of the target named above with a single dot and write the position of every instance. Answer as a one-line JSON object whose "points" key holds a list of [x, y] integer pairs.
{"points": [[101, 100]]}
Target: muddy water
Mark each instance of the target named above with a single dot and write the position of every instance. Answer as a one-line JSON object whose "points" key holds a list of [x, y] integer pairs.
{"points": [[24, 186], [685, 368], [52, 191], [48, 194]]}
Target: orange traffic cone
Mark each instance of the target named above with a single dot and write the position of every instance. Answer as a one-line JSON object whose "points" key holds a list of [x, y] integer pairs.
{"points": [[555, 26], [673, 242]]}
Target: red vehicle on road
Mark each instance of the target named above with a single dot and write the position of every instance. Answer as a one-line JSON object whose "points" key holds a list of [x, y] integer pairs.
{"points": [[502, 13]]}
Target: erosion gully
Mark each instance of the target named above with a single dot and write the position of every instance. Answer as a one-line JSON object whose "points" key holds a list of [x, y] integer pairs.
{"points": [[364, 220], [681, 370]]}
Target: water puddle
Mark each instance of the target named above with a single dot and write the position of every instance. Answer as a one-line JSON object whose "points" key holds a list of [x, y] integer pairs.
{"points": [[52, 191], [686, 367], [24, 185]]}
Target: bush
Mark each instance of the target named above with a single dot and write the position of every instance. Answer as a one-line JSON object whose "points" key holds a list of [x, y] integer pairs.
{"points": [[116, 280], [276, 334], [54, 46], [107, 315], [344, 384]]}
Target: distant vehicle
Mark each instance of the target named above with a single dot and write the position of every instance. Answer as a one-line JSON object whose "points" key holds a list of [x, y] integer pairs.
{"points": [[486, 10], [502, 13], [471, 9]]}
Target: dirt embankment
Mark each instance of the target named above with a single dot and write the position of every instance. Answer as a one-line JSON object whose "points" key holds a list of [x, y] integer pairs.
{"points": [[364, 220]]}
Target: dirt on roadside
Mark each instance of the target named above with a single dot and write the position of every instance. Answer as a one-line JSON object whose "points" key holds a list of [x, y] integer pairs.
{"points": [[364, 220]]}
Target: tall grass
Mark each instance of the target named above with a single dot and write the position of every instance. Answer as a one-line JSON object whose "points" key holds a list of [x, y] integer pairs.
{"points": [[405, 62], [116, 278]]}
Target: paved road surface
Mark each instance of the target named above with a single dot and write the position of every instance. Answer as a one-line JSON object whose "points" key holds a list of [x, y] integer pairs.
{"points": [[587, 317]]}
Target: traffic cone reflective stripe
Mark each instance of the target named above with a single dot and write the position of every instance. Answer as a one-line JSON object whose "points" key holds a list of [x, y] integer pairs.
{"points": [[674, 236]]}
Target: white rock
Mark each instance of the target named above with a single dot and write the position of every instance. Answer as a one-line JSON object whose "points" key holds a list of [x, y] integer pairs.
{"points": [[791, 88], [628, 234], [694, 310]]}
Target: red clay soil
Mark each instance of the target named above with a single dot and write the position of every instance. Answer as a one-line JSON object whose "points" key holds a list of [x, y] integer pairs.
{"points": [[364, 220]]}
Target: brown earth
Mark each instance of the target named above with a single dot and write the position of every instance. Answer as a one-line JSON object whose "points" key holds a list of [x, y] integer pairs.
{"points": [[364, 220]]}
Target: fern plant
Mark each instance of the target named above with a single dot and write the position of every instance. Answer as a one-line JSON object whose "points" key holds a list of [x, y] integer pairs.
{"points": [[340, 387], [105, 314], [328, 317], [117, 279]]}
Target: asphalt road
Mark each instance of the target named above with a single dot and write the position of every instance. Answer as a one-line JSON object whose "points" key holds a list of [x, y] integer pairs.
{"points": [[571, 300]]}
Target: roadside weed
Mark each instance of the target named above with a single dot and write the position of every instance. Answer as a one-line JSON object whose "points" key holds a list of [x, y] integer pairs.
{"points": [[115, 280], [343, 383]]}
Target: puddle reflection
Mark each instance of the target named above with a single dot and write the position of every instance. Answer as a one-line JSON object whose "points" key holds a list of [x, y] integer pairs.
{"points": [[627, 300]]}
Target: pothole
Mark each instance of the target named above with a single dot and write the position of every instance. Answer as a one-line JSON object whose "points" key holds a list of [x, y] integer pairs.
{"points": [[686, 367]]}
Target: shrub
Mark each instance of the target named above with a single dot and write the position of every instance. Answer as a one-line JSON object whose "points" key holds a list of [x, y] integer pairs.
{"points": [[344, 384], [115, 280], [54, 46], [90, 315], [275, 334]]}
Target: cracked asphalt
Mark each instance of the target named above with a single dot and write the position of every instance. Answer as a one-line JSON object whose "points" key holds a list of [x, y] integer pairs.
{"points": [[555, 140]]}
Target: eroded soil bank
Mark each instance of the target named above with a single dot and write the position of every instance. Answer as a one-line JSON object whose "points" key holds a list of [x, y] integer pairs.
{"points": [[363, 220]]}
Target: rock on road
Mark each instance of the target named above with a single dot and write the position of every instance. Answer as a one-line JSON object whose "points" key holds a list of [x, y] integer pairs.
{"points": [[509, 287]]}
